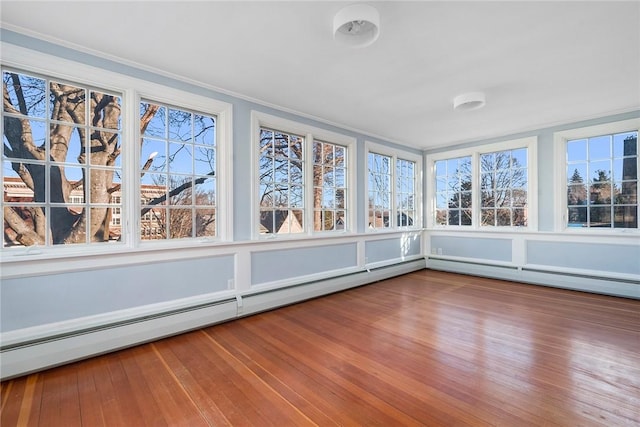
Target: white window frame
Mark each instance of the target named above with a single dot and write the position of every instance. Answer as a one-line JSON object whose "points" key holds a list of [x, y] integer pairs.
{"points": [[530, 143], [394, 154], [132, 90], [310, 133], [560, 140]]}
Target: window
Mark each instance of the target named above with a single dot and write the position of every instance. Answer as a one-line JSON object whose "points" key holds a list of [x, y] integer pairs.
{"points": [[61, 161], [281, 182], [392, 189], [303, 179], [484, 187], [503, 187], [178, 169], [329, 186], [70, 181], [453, 191], [600, 176]]}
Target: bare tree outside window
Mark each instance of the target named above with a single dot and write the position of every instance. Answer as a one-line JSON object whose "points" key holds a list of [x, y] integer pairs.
{"points": [[453, 191], [329, 187], [503, 187], [281, 185]]}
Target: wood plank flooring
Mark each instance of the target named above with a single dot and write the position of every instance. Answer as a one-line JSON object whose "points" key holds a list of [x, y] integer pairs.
{"points": [[424, 349]]}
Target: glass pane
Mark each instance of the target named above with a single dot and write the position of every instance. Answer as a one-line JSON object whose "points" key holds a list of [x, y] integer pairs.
{"points": [[180, 125], [205, 191], [295, 172], [625, 144], [266, 143], [600, 147], [518, 198], [328, 199], [153, 188], [67, 103], [266, 170], [625, 216], [627, 193], [487, 181], [153, 155], [519, 158], [59, 229], [153, 119], [577, 173], [181, 158], [341, 156], [295, 148], [503, 217], [180, 223], [101, 181], [329, 179], [601, 171], [181, 190], [488, 217], [488, 199], [441, 217], [281, 166], [296, 199], [441, 168], [205, 222], [577, 150], [26, 90], [600, 193], [98, 154], [454, 217], [600, 216], [105, 111], [519, 217], [14, 189], [341, 220], [340, 177], [465, 217], [441, 200], [577, 217], [204, 130], [441, 184], [577, 195], [23, 215], [14, 149], [487, 162], [519, 178], [266, 195], [205, 160]]}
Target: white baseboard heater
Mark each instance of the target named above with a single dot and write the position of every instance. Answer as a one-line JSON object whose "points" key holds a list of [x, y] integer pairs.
{"points": [[20, 358], [600, 282]]}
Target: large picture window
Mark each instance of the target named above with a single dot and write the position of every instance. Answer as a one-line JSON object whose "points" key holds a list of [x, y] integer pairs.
{"points": [[62, 157]]}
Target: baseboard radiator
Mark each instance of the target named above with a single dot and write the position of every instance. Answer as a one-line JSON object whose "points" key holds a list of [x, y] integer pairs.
{"points": [[57, 349], [601, 284]]}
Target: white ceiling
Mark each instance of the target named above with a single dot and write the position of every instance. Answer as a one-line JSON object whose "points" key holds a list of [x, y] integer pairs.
{"points": [[540, 63]]}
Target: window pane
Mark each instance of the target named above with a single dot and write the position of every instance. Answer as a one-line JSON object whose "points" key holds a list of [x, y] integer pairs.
{"points": [[626, 216], [183, 147], [68, 155], [600, 147], [577, 150]]}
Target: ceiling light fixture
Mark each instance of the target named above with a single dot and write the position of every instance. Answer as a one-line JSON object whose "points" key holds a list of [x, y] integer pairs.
{"points": [[357, 25], [469, 101]]}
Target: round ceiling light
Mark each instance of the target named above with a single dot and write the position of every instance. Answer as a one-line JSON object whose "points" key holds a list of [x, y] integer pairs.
{"points": [[357, 25], [469, 101]]}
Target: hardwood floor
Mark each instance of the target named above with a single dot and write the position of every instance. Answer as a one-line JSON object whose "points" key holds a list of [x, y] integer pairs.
{"points": [[428, 348]]}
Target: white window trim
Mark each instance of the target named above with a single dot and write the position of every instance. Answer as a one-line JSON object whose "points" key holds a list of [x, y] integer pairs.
{"points": [[560, 171], [372, 147], [132, 90], [530, 143], [259, 120]]}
